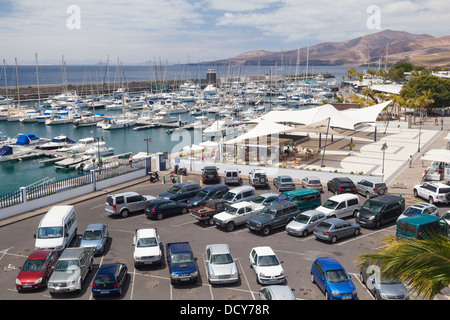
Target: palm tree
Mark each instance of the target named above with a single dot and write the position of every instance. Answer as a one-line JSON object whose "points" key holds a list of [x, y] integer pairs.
{"points": [[422, 265]]}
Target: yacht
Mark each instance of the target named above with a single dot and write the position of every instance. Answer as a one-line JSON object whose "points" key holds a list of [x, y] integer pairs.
{"points": [[10, 152], [57, 142]]}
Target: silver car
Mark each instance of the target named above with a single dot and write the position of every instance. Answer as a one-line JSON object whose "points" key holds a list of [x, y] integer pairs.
{"points": [[96, 237], [126, 202], [265, 199], [334, 228], [383, 288], [276, 292], [312, 182], [305, 223], [220, 264], [371, 189]]}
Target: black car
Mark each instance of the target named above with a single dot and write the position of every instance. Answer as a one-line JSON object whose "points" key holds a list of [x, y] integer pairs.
{"points": [[379, 210], [160, 209], [216, 191], [210, 174], [110, 279], [341, 185], [181, 192]]}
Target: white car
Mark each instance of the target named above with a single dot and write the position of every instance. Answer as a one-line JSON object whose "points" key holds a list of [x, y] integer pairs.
{"points": [[221, 266], [258, 177], [420, 208], [434, 192], [147, 247], [266, 266], [236, 214]]}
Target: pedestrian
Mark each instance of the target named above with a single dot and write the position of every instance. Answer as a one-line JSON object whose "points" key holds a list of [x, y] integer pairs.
{"points": [[436, 121], [422, 159], [130, 161], [442, 123], [410, 160]]}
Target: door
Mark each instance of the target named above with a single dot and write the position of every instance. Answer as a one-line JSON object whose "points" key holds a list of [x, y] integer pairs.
{"points": [[319, 276], [341, 209]]}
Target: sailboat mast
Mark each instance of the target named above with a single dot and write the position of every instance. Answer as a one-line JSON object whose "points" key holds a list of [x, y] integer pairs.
{"points": [[37, 82]]}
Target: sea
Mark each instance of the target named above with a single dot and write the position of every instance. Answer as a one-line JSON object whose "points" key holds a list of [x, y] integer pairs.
{"points": [[14, 175]]}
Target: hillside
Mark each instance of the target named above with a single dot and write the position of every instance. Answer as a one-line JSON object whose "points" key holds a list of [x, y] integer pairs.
{"points": [[422, 49]]}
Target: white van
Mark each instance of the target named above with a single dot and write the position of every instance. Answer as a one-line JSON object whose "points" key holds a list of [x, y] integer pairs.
{"points": [[57, 228], [340, 206], [239, 194]]}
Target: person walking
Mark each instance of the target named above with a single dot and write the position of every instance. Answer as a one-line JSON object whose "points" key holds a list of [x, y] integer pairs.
{"points": [[410, 160], [422, 159]]}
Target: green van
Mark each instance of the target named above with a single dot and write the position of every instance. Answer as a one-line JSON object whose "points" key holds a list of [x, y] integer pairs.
{"points": [[305, 199], [418, 226]]}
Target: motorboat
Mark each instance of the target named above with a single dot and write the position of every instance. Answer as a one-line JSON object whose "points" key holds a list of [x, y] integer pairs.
{"points": [[48, 114], [100, 149], [82, 145], [88, 121], [72, 160], [57, 142], [12, 152], [118, 123]]}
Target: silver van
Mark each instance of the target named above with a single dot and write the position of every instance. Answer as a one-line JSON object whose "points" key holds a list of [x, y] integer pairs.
{"points": [[340, 206], [244, 193], [233, 176], [126, 202]]}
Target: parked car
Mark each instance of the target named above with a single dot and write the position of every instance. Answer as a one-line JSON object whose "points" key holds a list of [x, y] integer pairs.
{"points": [[381, 287], [220, 264], [207, 211], [420, 208], [276, 292], [274, 216], [216, 191], [332, 279], [305, 222], [236, 214], [333, 229], [305, 199], [163, 208], [258, 177], [312, 182], [110, 279], [377, 211], [126, 202], [341, 185], [71, 270], [267, 267], [420, 226], [340, 206], [434, 192], [36, 270], [182, 263], [238, 194], [210, 174], [181, 192], [446, 217], [265, 198], [233, 176], [284, 183], [371, 189], [95, 236], [147, 247]]}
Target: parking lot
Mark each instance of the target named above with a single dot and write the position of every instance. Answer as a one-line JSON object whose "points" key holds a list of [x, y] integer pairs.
{"points": [[153, 283]]}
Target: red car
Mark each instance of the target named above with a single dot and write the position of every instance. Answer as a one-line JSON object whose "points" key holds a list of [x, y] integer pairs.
{"points": [[36, 270]]}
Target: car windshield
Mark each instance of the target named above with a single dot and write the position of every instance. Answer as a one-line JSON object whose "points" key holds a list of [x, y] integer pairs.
{"points": [[34, 265], [147, 242], [412, 211], [267, 261], [330, 204], [99, 280], [229, 196], [92, 235], [446, 215], [182, 258], [230, 209], [201, 194], [259, 199], [336, 276], [174, 189], [50, 232], [269, 212], [301, 218], [67, 265], [224, 258], [372, 206], [283, 197]]}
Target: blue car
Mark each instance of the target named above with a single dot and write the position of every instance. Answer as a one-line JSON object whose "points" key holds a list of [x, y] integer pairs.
{"points": [[332, 279], [95, 236], [110, 279]]}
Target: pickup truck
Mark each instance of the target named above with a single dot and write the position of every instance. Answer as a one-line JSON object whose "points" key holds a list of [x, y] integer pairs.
{"points": [[208, 210], [147, 247], [182, 263], [71, 269], [237, 214]]}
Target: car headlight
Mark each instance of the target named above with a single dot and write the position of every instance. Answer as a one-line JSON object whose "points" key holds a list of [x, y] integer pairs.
{"points": [[372, 217], [194, 274], [383, 295], [354, 292], [235, 274], [18, 281], [357, 214], [335, 293], [261, 275], [99, 246], [38, 280]]}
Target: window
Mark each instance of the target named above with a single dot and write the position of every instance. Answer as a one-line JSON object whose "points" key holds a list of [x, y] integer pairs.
{"points": [[120, 200], [341, 205], [352, 202]]}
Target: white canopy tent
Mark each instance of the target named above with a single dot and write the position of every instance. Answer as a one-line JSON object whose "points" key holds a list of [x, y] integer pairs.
{"points": [[438, 155]]}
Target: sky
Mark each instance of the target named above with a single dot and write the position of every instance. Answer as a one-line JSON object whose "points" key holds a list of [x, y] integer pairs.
{"points": [[191, 31]]}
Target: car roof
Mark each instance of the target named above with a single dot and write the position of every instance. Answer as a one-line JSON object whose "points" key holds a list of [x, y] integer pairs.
{"points": [[241, 204], [329, 263], [300, 192], [312, 177], [150, 232], [343, 196], [333, 221], [237, 189], [439, 184], [264, 250], [71, 253], [94, 226], [216, 187], [387, 198], [187, 184], [280, 291], [422, 205], [108, 269], [269, 194], [210, 168], [419, 219], [127, 193], [39, 254], [281, 204], [311, 212], [219, 248]]}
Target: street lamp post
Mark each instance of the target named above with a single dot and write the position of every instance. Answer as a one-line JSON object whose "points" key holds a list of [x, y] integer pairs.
{"points": [[383, 148]]}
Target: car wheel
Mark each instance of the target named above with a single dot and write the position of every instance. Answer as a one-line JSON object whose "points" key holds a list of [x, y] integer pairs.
{"points": [[305, 233], [355, 213], [361, 278], [124, 213], [210, 221], [367, 195], [184, 210], [327, 296], [230, 226], [430, 200], [266, 230], [312, 278], [415, 193], [356, 233], [333, 239], [160, 216]]}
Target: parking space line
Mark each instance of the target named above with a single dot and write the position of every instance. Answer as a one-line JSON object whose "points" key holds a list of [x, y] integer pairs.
{"points": [[355, 275], [206, 272], [364, 235], [246, 280]]}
